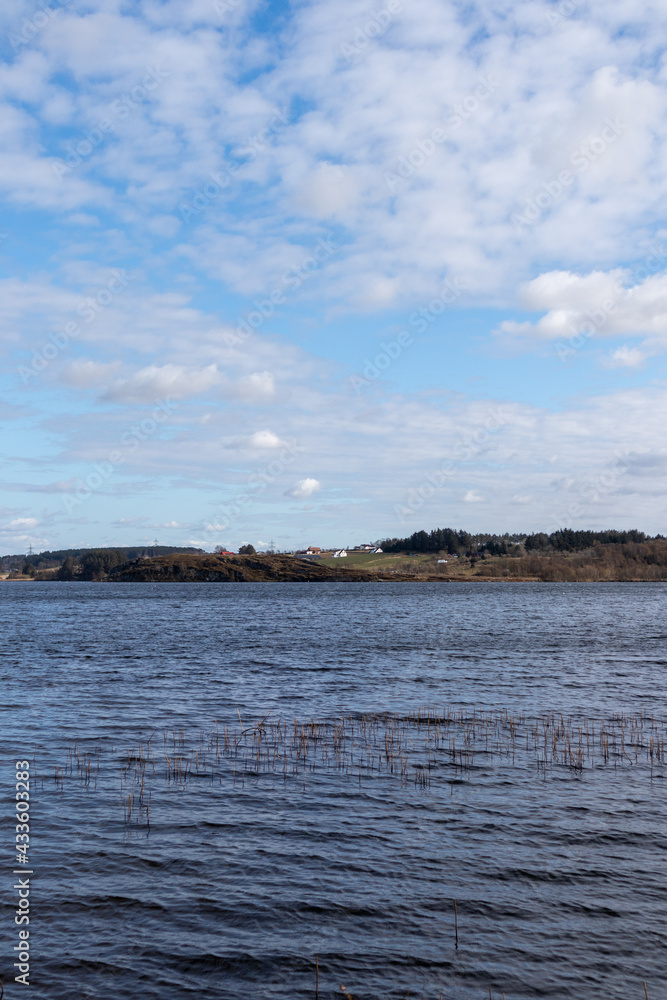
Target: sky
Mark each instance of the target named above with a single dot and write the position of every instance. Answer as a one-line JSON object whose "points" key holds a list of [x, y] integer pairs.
{"points": [[327, 272]]}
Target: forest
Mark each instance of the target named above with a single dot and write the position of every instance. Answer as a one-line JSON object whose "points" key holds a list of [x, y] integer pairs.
{"points": [[459, 542], [443, 553], [81, 564]]}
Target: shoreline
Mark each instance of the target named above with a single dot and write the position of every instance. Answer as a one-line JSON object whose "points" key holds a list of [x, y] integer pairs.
{"points": [[203, 567]]}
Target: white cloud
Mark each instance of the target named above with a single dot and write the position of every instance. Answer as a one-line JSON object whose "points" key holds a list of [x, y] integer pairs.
{"points": [[173, 381], [400, 460], [330, 190], [82, 219], [304, 488], [265, 439], [626, 357], [551, 94], [323, 176], [24, 522], [84, 373], [599, 304], [259, 387]]}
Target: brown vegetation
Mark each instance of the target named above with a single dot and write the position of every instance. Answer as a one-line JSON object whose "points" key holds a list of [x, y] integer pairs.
{"points": [[612, 562], [631, 562], [644, 561], [218, 568]]}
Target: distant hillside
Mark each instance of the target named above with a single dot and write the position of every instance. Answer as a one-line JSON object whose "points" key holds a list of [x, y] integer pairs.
{"points": [[613, 561], [83, 564], [214, 568], [631, 561], [451, 541], [562, 557]]}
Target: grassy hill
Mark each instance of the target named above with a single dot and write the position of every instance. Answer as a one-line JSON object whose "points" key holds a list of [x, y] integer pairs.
{"points": [[645, 561], [611, 561], [83, 564], [600, 562], [214, 568]]}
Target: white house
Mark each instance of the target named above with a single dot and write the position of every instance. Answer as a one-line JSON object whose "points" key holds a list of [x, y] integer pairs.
{"points": [[339, 554]]}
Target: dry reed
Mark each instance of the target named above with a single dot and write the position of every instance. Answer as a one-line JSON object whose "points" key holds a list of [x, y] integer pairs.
{"points": [[448, 744]]}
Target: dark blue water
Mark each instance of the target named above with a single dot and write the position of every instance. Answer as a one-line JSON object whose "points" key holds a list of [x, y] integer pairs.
{"points": [[559, 875]]}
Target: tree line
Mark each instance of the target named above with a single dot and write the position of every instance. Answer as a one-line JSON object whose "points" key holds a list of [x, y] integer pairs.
{"points": [[94, 564], [457, 542], [84, 564]]}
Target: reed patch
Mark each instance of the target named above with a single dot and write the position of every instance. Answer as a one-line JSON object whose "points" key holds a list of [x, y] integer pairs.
{"points": [[425, 747]]}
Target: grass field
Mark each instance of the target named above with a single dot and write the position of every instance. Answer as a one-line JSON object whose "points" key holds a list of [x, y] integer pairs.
{"points": [[388, 562], [645, 561]]}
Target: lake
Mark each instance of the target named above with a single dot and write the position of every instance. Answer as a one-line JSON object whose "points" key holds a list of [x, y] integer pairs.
{"points": [[188, 837]]}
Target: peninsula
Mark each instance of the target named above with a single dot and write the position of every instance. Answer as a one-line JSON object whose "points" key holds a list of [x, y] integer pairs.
{"points": [[442, 555]]}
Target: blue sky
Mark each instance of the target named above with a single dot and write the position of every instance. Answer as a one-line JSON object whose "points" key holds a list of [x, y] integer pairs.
{"points": [[321, 273]]}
